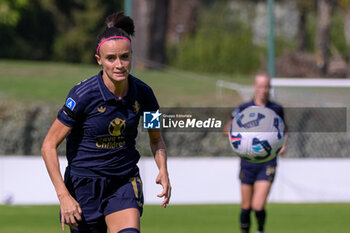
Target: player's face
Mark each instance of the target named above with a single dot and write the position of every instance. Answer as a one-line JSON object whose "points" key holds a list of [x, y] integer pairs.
{"points": [[115, 59], [262, 88]]}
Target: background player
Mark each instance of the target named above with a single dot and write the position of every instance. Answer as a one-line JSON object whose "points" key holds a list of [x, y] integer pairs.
{"points": [[257, 178], [102, 186]]}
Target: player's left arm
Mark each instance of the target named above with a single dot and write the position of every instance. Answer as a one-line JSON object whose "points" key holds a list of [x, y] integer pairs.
{"points": [[159, 151], [284, 147]]}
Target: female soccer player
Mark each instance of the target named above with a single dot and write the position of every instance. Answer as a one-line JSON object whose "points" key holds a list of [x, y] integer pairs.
{"points": [[256, 178], [102, 186]]}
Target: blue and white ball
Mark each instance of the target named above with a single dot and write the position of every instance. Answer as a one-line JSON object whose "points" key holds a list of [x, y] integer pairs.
{"points": [[257, 134]]}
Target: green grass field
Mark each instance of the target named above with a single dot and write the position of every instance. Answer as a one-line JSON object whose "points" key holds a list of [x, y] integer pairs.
{"points": [[282, 218], [30, 81]]}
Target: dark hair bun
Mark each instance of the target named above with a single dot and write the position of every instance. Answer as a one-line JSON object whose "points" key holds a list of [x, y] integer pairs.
{"points": [[119, 20]]}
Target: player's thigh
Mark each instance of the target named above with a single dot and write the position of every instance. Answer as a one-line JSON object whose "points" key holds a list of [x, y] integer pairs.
{"points": [[246, 195], [261, 191], [127, 218]]}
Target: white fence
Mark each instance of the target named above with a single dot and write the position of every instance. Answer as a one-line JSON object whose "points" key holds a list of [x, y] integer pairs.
{"points": [[24, 180]]}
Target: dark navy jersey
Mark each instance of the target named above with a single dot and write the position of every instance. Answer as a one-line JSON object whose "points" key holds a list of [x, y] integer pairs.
{"points": [[104, 127], [278, 109]]}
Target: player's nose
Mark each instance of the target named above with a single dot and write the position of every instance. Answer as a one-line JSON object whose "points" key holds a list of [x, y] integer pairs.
{"points": [[118, 63]]}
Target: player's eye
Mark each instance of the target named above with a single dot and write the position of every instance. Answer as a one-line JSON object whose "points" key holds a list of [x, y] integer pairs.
{"points": [[111, 58], [125, 56]]}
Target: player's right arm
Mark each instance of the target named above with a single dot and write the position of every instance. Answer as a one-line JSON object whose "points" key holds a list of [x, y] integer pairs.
{"points": [[70, 209], [227, 126]]}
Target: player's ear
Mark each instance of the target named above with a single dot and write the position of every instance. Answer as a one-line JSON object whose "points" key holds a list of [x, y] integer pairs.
{"points": [[98, 59]]}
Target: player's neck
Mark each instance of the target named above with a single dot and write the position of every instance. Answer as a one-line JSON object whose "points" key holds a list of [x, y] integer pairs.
{"points": [[260, 102], [118, 88], [121, 88]]}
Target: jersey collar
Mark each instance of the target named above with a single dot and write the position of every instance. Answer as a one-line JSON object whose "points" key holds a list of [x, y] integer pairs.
{"points": [[267, 103], [109, 96]]}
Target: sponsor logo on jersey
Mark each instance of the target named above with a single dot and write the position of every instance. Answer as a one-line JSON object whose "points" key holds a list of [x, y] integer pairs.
{"points": [[116, 127], [70, 103], [116, 140]]}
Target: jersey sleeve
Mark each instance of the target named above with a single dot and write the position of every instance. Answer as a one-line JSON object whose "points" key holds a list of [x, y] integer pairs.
{"points": [[149, 100], [241, 107], [284, 120], [71, 112], [235, 112], [282, 113]]}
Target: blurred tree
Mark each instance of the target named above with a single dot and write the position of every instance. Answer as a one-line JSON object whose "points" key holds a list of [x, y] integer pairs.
{"points": [[63, 30], [31, 37], [150, 17], [222, 42], [10, 11], [182, 20], [80, 23], [345, 5], [158, 29], [324, 9], [77, 37], [140, 13], [304, 7]]}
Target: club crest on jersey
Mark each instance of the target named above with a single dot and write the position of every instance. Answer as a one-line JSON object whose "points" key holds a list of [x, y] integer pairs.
{"points": [[70, 103], [101, 109], [116, 127], [136, 106]]}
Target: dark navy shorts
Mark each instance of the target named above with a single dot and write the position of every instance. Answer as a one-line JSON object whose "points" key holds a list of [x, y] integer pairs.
{"points": [[250, 174], [99, 196]]}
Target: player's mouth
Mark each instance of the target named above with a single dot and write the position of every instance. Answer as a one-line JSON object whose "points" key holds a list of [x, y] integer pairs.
{"points": [[120, 74]]}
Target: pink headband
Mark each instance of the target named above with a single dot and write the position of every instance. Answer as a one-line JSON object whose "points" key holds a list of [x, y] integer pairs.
{"points": [[111, 38]]}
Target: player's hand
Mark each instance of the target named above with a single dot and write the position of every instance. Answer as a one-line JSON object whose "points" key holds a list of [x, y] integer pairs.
{"points": [[70, 211], [163, 179], [282, 151]]}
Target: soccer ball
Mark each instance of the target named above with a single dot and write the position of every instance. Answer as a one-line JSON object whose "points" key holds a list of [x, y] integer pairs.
{"points": [[257, 134]]}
